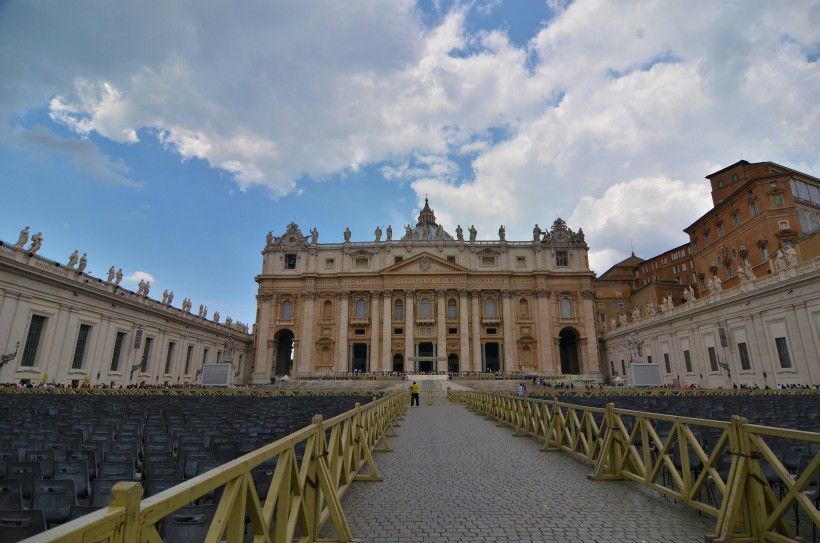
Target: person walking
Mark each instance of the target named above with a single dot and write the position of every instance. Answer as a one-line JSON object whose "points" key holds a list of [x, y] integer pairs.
{"points": [[414, 394]]}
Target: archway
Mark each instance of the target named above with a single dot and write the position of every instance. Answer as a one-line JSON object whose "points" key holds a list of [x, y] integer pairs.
{"points": [[359, 362], [452, 363], [398, 362], [568, 348], [284, 352]]}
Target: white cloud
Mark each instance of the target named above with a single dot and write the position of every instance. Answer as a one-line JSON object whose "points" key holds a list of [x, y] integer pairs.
{"points": [[641, 93], [132, 279]]}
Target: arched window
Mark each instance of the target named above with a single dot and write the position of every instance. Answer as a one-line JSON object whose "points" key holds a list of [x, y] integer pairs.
{"points": [[489, 307], [287, 310], [361, 309], [398, 310], [425, 308], [524, 308], [566, 308], [452, 310], [327, 309]]}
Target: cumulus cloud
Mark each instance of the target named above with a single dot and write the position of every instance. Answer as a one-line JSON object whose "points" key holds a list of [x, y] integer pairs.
{"points": [[133, 279], [641, 94]]}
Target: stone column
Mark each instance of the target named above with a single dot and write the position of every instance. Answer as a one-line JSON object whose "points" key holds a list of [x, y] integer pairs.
{"points": [[441, 329], [510, 342], [547, 361], [590, 362], [373, 352], [305, 362], [476, 340], [387, 327], [262, 363], [99, 353], [14, 321], [409, 332], [465, 362], [342, 358], [57, 367]]}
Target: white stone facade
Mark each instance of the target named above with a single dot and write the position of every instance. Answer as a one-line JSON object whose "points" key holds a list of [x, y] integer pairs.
{"points": [[764, 332], [75, 329], [426, 301]]}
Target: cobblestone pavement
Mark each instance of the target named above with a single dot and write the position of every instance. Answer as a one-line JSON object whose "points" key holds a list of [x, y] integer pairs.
{"points": [[455, 477]]}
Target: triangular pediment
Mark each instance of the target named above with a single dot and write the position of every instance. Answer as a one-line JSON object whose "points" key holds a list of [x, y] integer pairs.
{"points": [[424, 263]]}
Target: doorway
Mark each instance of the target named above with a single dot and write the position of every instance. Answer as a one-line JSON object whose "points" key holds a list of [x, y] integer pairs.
{"points": [[452, 363], [492, 357], [426, 350], [398, 363], [284, 352], [568, 348], [359, 362]]}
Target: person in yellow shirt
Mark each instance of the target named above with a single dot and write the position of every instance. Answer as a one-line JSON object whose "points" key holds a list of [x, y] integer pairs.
{"points": [[414, 394]]}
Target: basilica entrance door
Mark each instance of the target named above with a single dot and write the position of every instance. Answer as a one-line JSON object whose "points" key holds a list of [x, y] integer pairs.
{"points": [[492, 357], [452, 363], [426, 350], [398, 362], [568, 346], [359, 362]]}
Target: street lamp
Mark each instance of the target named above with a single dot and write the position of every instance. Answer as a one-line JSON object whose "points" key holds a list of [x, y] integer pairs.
{"points": [[6, 358]]}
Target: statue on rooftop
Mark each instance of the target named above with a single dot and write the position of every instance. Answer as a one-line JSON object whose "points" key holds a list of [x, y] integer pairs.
{"points": [[716, 283], [378, 234], [72, 259], [23, 239], [473, 232], [110, 277], [502, 233], [389, 233], [791, 255], [83, 263], [536, 233], [347, 235], [119, 277], [170, 297], [408, 233], [269, 238], [459, 233], [36, 243], [165, 296]]}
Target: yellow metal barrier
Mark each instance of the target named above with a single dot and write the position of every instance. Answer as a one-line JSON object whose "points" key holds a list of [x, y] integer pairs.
{"points": [[625, 444], [314, 468]]}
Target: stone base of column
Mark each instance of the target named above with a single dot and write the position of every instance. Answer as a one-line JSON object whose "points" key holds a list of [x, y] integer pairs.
{"points": [[260, 379]]}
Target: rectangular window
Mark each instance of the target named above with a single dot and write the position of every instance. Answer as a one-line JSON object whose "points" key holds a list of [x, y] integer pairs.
{"points": [[687, 360], [170, 356], [743, 352], [713, 365], [764, 252], [204, 357], [188, 357], [720, 230], [561, 258], [290, 262], [809, 220], [754, 208], [708, 237], [783, 225], [666, 364], [330, 263], [623, 367], [452, 331], [362, 262], [612, 367], [115, 357], [783, 352], [694, 246], [521, 262], [358, 332], [397, 259], [451, 258], [488, 261], [146, 354], [736, 218], [398, 331], [79, 349], [491, 331], [35, 330], [602, 317], [648, 359]]}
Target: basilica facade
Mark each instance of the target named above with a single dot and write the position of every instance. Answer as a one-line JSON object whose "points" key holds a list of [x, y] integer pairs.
{"points": [[426, 301]]}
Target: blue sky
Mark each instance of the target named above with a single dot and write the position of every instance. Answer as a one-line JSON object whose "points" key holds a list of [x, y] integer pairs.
{"points": [[167, 137]]}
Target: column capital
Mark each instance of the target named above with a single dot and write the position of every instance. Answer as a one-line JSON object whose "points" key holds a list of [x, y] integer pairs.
{"points": [[344, 295], [265, 296], [387, 293], [588, 294], [463, 292], [441, 293], [507, 293], [543, 293], [375, 293], [475, 293], [310, 295]]}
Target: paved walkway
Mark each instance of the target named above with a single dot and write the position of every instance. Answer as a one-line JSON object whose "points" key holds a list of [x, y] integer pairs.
{"points": [[455, 477]]}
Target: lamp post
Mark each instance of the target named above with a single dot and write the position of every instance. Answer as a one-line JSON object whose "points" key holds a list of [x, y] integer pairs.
{"points": [[6, 358]]}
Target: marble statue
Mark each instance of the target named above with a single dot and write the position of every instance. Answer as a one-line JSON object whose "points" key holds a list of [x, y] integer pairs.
{"points": [[473, 232], [651, 309], [378, 234], [36, 243], [23, 239], [716, 283], [118, 276], [204, 311], [72, 259], [425, 231], [536, 233], [216, 317], [669, 301], [440, 234], [347, 235], [791, 255], [636, 314], [170, 297], [186, 305], [502, 233], [83, 263], [165, 296], [389, 233], [741, 274], [612, 323], [408, 232], [710, 284], [622, 319], [314, 236], [228, 320], [269, 238], [110, 277], [459, 233], [780, 263], [664, 305], [199, 313], [750, 272], [689, 294], [140, 286]]}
